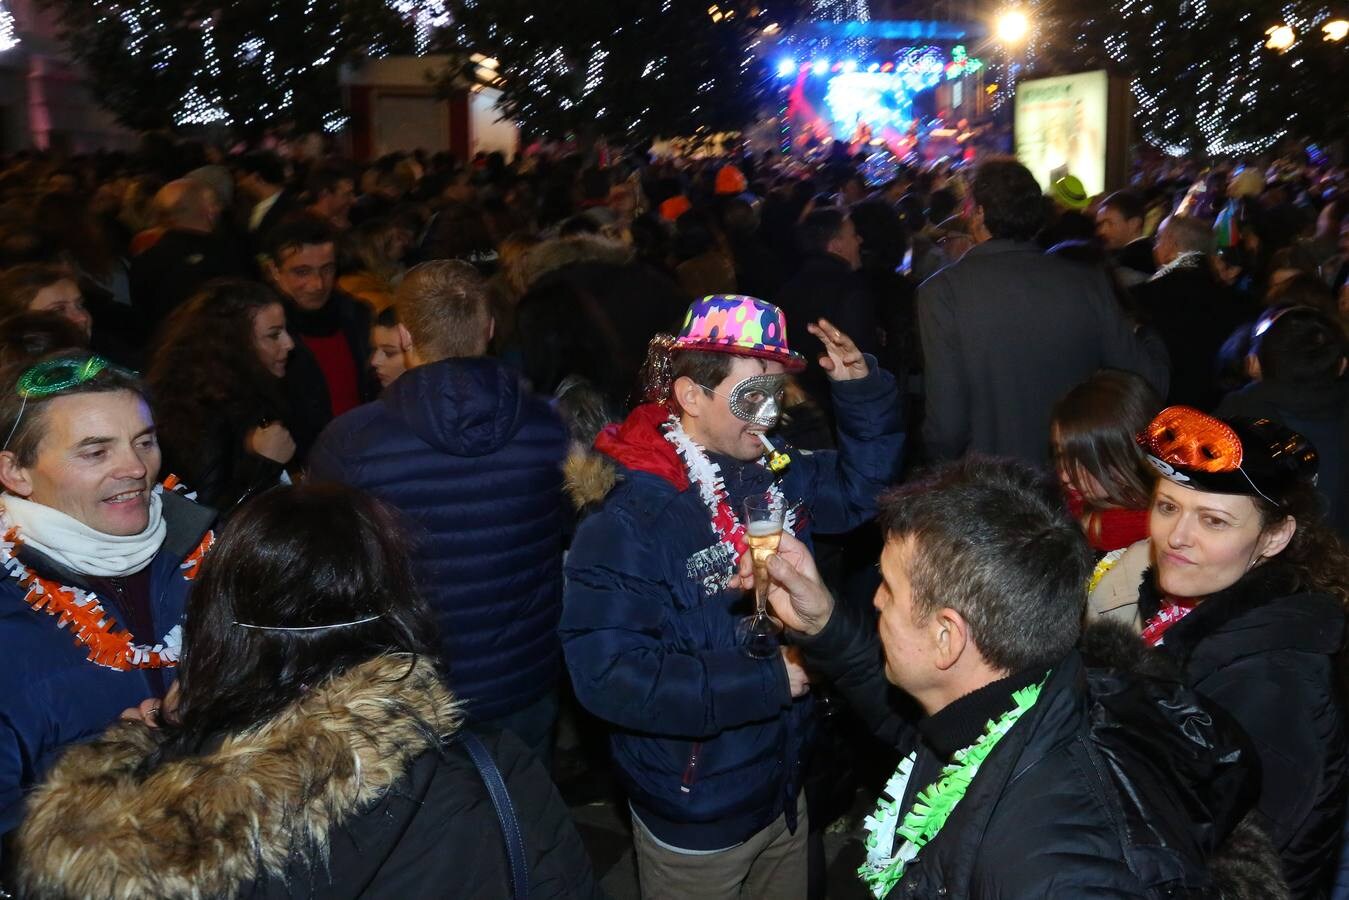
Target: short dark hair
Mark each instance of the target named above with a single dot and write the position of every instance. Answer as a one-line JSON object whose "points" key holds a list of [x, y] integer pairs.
{"points": [[1014, 206], [295, 556], [26, 423], [265, 164], [705, 368], [993, 541], [1128, 204], [1303, 347], [324, 179], [292, 234], [819, 229]]}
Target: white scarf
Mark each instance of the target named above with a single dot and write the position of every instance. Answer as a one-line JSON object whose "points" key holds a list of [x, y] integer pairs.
{"points": [[70, 543]]}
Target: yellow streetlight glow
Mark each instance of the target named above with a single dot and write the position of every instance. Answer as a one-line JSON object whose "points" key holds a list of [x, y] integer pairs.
{"points": [[1335, 30], [1012, 26], [1281, 37]]}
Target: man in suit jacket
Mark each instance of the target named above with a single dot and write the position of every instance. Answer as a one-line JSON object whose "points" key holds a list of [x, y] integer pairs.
{"points": [[1007, 330]]}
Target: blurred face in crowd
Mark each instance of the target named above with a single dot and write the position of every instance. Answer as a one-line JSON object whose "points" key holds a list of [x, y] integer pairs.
{"points": [[97, 461], [709, 420], [65, 300], [1204, 542], [336, 204], [305, 275], [271, 340], [847, 245], [1114, 230], [387, 357]]}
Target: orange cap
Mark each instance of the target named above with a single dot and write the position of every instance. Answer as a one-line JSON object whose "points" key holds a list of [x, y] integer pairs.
{"points": [[675, 207], [731, 180]]}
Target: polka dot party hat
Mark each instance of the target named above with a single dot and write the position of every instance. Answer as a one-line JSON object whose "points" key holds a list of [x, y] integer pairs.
{"points": [[734, 323]]}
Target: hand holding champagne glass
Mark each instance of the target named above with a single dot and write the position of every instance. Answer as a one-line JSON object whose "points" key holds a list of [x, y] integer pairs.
{"points": [[760, 633]]}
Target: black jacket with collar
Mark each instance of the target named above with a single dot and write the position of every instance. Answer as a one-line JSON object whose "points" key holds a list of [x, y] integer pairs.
{"points": [[305, 386], [1111, 786], [1267, 651]]}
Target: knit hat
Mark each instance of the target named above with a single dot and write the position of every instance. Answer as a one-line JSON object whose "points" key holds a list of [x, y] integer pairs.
{"points": [[731, 180], [1069, 193], [1254, 457]]}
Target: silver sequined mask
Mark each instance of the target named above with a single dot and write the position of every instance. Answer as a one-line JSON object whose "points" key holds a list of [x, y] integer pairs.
{"points": [[758, 399]]}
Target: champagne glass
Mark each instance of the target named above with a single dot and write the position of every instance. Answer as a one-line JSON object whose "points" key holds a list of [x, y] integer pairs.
{"points": [[760, 634]]}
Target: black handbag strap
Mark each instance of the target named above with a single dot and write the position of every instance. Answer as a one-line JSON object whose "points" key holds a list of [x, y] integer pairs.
{"points": [[510, 825]]}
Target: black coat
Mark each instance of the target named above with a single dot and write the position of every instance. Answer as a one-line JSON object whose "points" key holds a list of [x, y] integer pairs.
{"points": [[1112, 785], [827, 287], [305, 386], [1267, 652], [1006, 332], [1194, 314], [180, 262], [437, 835]]}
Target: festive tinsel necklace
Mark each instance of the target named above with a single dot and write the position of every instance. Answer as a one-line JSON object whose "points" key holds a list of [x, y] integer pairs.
{"points": [[885, 864], [89, 622], [706, 475]]}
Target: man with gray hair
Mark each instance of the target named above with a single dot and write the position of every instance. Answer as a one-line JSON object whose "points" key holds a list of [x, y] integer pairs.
{"points": [[474, 462], [189, 252], [1190, 308]]}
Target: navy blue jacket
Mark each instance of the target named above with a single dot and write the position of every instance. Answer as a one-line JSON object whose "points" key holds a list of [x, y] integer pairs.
{"points": [[51, 695], [708, 742], [474, 462]]}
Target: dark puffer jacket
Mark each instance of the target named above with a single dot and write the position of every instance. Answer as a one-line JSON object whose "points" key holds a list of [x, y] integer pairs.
{"points": [[1266, 651], [475, 463], [52, 695], [1112, 786], [707, 741]]}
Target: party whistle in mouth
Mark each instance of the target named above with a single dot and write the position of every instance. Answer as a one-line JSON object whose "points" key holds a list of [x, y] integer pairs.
{"points": [[777, 461]]}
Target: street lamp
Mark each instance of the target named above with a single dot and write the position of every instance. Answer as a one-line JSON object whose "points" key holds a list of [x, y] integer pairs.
{"points": [[1335, 30], [1281, 37], [1012, 26]]}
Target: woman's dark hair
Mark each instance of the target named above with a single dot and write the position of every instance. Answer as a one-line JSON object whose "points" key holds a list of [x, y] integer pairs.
{"points": [[1096, 423], [1014, 206], [387, 317], [67, 227], [293, 557], [205, 369], [20, 285], [1315, 553], [564, 332]]}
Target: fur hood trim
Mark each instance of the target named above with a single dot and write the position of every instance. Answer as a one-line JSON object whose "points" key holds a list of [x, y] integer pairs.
{"points": [[552, 255], [208, 825], [588, 478]]}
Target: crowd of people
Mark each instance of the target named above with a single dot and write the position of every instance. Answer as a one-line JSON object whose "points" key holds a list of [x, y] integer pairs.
{"points": [[431, 454]]}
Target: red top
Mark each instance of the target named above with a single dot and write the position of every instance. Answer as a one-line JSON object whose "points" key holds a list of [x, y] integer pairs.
{"points": [[1109, 529], [339, 370]]}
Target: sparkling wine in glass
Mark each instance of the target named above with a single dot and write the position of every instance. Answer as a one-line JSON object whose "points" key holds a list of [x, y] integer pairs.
{"points": [[760, 634]]}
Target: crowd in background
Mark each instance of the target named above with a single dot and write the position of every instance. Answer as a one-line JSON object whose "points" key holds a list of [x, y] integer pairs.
{"points": [[286, 313]]}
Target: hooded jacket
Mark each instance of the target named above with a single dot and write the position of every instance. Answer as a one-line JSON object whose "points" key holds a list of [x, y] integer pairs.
{"points": [[707, 741], [1113, 785], [474, 462], [356, 790]]}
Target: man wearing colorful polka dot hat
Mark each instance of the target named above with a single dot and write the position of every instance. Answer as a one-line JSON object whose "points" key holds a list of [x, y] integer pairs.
{"points": [[710, 719]]}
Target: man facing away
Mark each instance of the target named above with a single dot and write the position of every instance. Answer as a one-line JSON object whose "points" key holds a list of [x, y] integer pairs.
{"points": [[708, 740], [1008, 330], [1029, 774], [475, 463]]}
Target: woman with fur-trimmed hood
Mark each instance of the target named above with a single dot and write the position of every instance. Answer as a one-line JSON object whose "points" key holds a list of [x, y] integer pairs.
{"points": [[312, 751]]}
